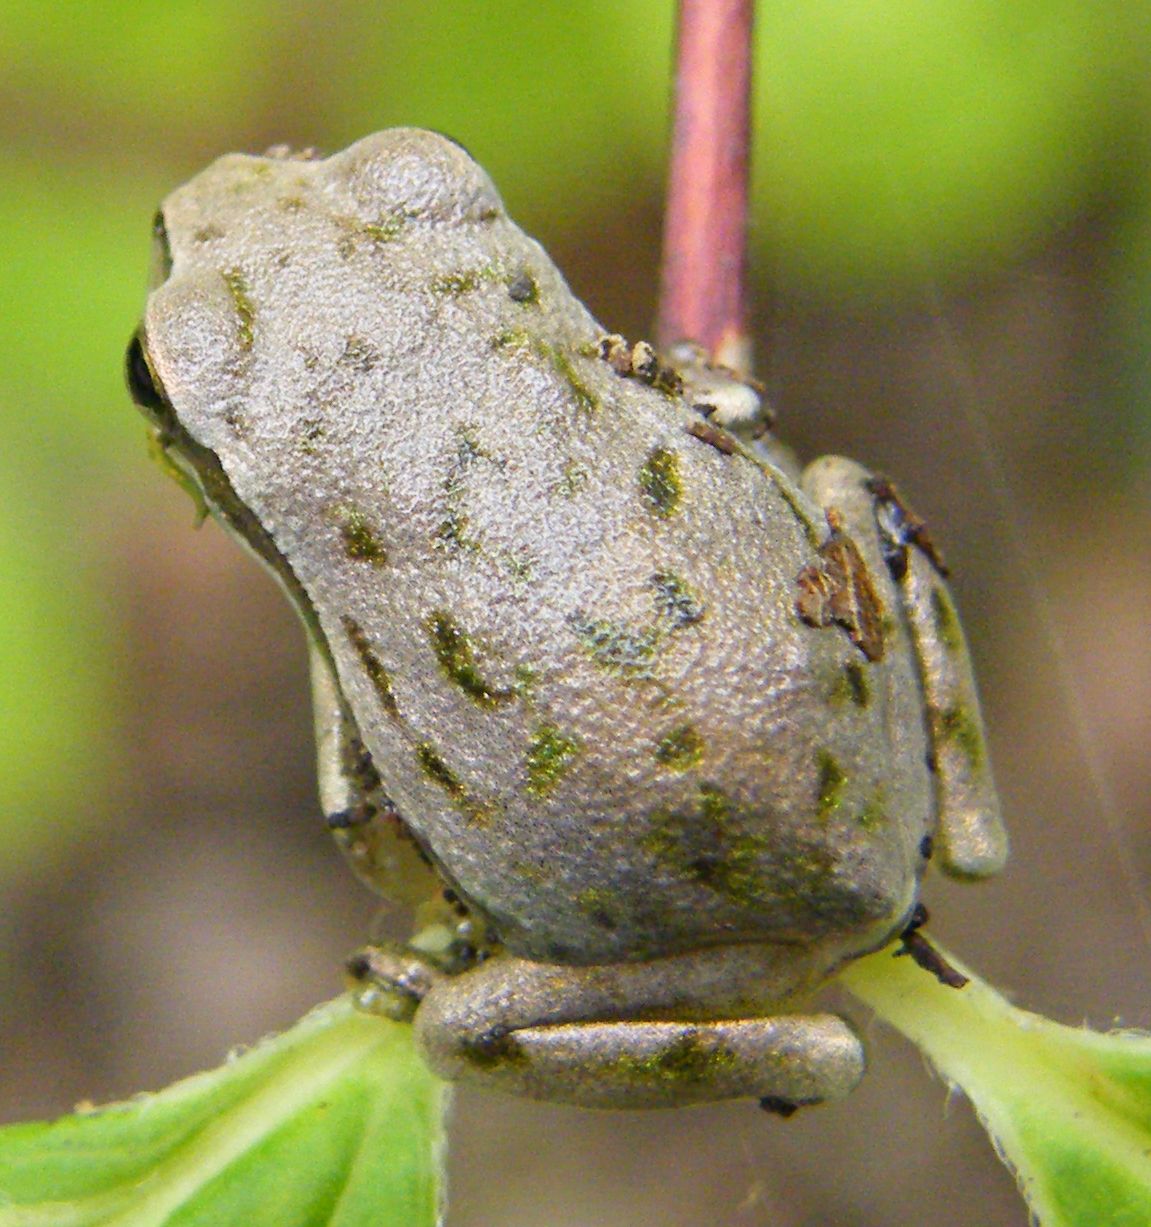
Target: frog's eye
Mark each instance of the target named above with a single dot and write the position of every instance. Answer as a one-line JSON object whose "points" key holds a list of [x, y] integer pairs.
{"points": [[141, 381]]}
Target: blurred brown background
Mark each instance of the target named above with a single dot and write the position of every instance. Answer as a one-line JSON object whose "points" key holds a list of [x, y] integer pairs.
{"points": [[953, 237]]}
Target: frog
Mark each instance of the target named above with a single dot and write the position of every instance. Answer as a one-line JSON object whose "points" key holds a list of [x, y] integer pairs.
{"points": [[654, 729]]}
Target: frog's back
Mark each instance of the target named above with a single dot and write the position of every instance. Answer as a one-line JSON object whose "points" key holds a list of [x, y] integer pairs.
{"points": [[565, 622]]}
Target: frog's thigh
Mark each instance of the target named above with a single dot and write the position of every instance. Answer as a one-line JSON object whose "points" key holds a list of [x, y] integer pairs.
{"points": [[555, 1033], [971, 841]]}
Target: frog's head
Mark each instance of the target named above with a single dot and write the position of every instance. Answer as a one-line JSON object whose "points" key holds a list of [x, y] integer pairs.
{"points": [[272, 307], [263, 267]]}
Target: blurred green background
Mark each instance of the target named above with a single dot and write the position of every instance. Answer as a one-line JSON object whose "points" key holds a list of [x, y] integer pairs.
{"points": [[953, 259]]}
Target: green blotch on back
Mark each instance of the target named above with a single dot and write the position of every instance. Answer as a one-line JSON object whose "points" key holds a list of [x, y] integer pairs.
{"points": [[514, 338], [360, 354], [452, 532], [433, 766], [596, 902], [312, 431], [518, 565], [708, 844], [715, 805], [454, 652], [452, 285], [386, 231], [681, 749], [468, 450], [874, 813], [360, 541], [659, 482], [585, 398], [526, 678], [616, 647], [575, 478], [373, 668], [946, 621], [832, 782], [559, 358], [959, 725], [810, 871], [688, 1059], [245, 308], [674, 600], [550, 755], [851, 685]]}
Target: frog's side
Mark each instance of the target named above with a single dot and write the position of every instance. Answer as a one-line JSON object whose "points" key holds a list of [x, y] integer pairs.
{"points": [[668, 724]]}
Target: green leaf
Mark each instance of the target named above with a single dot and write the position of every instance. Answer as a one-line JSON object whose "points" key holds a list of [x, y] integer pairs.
{"points": [[1068, 1109], [336, 1122]]}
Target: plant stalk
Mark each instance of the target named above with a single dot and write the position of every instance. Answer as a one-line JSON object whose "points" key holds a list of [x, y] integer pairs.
{"points": [[703, 281]]}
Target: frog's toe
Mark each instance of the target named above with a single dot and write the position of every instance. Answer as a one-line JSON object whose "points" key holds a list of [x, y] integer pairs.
{"points": [[390, 980], [972, 842]]}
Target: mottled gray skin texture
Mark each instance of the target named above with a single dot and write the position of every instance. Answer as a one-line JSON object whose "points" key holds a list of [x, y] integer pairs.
{"points": [[564, 628]]}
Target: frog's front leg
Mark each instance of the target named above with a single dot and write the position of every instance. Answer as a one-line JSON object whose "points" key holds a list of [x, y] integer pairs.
{"points": [[615, 1036], [971, 841], [360, 815]]}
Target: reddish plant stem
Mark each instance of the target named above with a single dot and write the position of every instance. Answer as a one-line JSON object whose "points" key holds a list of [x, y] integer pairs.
{"points": [[703, 282]]}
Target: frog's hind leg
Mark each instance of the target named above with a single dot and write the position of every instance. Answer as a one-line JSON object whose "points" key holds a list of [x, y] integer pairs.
{"points": [[597, 1037], [971, 841]]}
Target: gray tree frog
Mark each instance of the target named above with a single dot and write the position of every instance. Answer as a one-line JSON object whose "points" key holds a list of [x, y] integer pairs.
{"points": [[672, 730]]}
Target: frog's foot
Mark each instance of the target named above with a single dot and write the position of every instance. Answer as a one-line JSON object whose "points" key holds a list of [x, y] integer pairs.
{"points": [[368, 828], [391, 980], [569, 1035], [923, 953], [971, 840]]}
